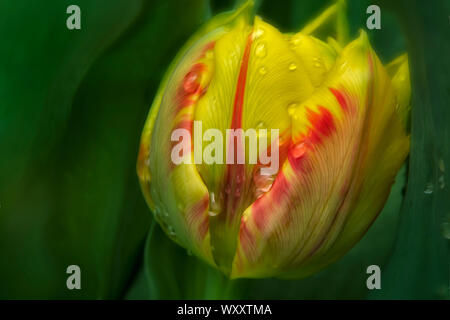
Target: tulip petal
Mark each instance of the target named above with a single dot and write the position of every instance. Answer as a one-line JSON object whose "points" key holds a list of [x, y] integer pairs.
{"points": [[399, 72], [347, 145], [317, 56], [176, 192], [252, 92]]}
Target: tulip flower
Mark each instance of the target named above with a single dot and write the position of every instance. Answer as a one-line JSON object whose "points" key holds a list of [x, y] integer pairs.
{"points": [[341, 116]]}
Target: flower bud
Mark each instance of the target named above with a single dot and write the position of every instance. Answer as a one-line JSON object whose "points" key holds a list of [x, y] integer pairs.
{"points": [[269, 154]]}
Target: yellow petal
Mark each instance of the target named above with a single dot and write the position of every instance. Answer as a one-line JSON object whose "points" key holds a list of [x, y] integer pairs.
{"points": [[347, 145], [399, 72], [177, 193], [257, 77], [317, 56]]}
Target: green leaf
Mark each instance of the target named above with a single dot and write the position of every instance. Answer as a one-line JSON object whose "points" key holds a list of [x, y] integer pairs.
{"points": [[419, 268], [73, 106]]}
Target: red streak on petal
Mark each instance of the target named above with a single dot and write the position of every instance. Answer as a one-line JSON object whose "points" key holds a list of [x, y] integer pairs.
{"points": [[246, 238], [188, 93], [235, 172], [196, 213], [340, 98], [190, 88], [322, 125], [208, 47], [240, 89], [322, 121], [261, 207], [297, 155]]}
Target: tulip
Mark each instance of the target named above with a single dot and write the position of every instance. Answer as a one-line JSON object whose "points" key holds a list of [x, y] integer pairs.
{"points": [[341, 117]]}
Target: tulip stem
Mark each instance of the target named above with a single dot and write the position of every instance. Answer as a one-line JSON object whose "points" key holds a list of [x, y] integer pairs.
{"points": [[342, 23], [320, 20]]}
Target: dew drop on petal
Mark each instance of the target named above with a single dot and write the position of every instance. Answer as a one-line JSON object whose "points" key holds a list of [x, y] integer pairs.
{"points": [[190, 83], [260, 50], [209, 54], [262, 70], [298, 150], [291, 108], [258, 33], [294, 43], [292, 67], [263, 183], [261, 124], [214, 207], [212, 213], [233, 56]]}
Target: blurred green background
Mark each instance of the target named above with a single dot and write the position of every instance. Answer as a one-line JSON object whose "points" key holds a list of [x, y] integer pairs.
{"points": [[72, 106]]}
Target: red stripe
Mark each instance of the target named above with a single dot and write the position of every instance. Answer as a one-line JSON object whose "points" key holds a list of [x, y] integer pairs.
{"points": [[235, 173], [240, 89], [340, 98]]}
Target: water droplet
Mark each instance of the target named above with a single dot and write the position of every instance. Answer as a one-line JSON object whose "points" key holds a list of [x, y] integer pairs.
{"points": [[292, 67], [263, 183], [262, 70], [209, 54], [294, 42], [260, 50], [233, 56], [317, 62], [261, 124], [237, 192], [291, 108], [429, 188], [298, 150], [189, 252], [171, 231], [257, 33], [212, 213], [190, 83], [214, 207]]}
